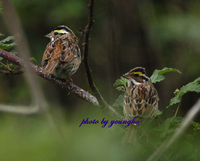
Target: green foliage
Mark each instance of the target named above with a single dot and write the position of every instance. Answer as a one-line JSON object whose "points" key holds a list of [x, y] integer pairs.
{"points": [[189, 139], [166, 129], [120, 84], [158, 76], [9, 66], [37, 138], [33, 59], [196, 128], [168, 126], [158, 112], [190, 87], [7, 43]]}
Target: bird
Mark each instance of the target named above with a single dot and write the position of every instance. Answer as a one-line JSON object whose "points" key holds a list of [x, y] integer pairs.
{"points": [[62, 56], [140, 101]]}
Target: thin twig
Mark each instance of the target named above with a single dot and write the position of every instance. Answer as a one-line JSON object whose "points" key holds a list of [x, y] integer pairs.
{"points": [[25, 110], [91, 83], [11, 72], [67, 85], [85, 56]]}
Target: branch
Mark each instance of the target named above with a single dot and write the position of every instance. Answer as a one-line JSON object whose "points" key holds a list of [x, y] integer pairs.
{"points": [[11, 72], [95, 90], [98, 99], [67, 85], [85, 56], [26, 110]]}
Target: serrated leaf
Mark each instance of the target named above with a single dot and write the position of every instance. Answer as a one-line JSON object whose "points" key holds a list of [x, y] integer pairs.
{"points": [[7, 43], [121, 81], [158, 76], [119, 101], [1, 34], [120, 84], [190, 87], [7, 39]]}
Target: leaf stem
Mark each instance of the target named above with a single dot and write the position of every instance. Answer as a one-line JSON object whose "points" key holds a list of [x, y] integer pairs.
{"points": [[177, 109]]}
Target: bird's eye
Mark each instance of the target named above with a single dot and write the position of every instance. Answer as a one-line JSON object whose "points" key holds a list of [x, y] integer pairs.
{"points": [[55, 33]]}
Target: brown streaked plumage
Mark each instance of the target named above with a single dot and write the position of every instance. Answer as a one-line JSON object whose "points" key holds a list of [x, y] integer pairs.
{"points": [[62, 56], [140, 100]]}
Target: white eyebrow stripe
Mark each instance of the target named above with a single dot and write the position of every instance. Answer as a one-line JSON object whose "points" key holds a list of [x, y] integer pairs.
{"points": [[129, 83]]}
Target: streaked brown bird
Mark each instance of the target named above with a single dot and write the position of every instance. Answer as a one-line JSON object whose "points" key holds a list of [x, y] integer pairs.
{"points": [[62, 56], [140, 101]]}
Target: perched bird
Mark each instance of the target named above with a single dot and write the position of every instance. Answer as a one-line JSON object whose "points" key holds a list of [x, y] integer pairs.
{"points": [[140, 101], [62, 56]]}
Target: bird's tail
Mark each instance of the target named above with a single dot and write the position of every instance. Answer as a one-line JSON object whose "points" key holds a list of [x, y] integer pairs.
{"points": [[131, 135]]}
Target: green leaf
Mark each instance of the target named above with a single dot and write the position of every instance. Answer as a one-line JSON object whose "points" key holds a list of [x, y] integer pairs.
{"points": [[196, 126], [119, 101], [12, 66], [158, 112], [1, 58], [6, 46], [190, 87], [1, 34], [120, 84], [158, 76], [7, 43], [33, 59], [7, 39]]}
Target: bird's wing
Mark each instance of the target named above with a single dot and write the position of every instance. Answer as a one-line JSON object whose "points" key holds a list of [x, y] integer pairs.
{"points": [[51, 56], [141, 100]]}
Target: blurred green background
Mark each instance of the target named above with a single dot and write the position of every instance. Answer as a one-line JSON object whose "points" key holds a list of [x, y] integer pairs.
{"points": [[129, 33]]}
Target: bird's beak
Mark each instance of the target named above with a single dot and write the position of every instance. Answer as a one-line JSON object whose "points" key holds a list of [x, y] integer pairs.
{"points": [[127, 76], [49, 36]]}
